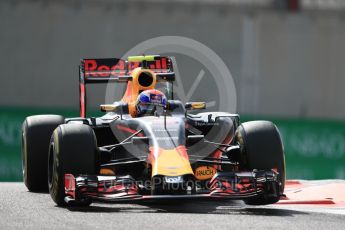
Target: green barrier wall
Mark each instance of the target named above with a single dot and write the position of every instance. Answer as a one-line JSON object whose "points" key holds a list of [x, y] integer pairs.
{"points": [[314, 149], [11, 120]]}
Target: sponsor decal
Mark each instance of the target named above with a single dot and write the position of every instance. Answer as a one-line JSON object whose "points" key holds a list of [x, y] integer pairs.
{"points": [[173, 179], [205, 172], [156, 99], [105, 171], [106, 67]]}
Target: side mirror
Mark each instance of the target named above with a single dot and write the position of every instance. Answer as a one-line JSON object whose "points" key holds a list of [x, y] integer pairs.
{"points": [[171, 106], [108, 107], [193, 139], [140, 140], [195, 105]]}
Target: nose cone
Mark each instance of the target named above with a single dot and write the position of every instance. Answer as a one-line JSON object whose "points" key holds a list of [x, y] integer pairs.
{"points": [[171, 162]]}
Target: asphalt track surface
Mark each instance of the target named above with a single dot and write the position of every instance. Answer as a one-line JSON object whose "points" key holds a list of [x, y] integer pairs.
{"points": [[20, 209]]}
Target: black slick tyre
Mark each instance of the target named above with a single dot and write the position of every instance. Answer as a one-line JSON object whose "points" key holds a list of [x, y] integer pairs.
{"points": [[73, 150], [261, 148], [36, 133]]}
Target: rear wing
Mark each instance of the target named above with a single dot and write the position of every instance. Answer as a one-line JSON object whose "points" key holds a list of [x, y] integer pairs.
{"points": [[107, 70]]}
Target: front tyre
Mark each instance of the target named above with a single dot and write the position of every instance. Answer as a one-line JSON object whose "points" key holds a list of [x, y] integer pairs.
{"points": [[261, 148], [73, 150]]}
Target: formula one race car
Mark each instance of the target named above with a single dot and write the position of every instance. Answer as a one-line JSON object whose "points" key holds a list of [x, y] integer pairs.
{"points": [[148, 146]]}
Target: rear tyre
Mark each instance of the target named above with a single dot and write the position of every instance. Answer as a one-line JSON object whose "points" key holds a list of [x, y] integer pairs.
{"points": [[36, 132], [73, 150], [261, 148]]}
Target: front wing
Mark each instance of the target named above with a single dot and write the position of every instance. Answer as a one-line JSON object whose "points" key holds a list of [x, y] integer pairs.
{"points": [[229, 185]]}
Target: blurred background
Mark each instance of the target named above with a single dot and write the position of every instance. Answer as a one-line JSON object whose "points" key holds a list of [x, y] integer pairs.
{"points": [[287, 58]]}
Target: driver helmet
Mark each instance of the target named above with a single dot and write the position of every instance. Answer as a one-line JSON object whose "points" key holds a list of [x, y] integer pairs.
{"points": [[148, 100]]}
